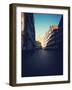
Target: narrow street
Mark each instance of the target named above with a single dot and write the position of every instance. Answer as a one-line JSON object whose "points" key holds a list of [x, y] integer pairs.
{"points": [[42, 62]]}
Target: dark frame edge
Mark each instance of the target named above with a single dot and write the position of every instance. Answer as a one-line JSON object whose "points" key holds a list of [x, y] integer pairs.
{"points": [[39, 6], [41, 83], [69, 44], [12, 42]]}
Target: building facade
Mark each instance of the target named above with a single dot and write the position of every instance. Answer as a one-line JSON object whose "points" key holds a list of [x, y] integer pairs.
{"points": [[28, 32], [54, 37]]}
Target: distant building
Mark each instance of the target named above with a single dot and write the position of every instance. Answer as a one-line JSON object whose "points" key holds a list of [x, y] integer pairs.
{"points": [[38, 45]]}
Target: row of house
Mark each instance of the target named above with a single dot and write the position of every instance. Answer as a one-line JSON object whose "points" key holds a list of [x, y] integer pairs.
{"points": [[54, 37], [28, 41]]}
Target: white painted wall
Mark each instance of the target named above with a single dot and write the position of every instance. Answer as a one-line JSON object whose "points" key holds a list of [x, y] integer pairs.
{"points": [[4, 45]]}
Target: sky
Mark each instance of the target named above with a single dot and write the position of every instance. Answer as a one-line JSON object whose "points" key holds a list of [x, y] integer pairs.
{"points": [[42, 23]]}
